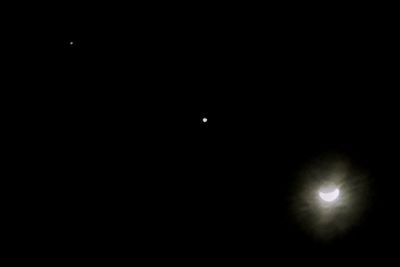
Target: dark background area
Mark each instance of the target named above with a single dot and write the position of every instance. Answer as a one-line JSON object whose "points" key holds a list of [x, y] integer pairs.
{"points": [[122, 164]]}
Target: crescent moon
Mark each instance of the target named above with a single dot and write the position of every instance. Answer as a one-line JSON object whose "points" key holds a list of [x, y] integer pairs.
{"points": [[330, 196]]}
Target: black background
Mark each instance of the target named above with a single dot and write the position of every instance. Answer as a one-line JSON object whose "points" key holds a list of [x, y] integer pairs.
{"points": [[122, 165]]}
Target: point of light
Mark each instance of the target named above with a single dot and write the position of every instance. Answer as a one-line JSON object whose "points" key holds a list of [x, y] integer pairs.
{"points": [[329, 196], [204, 119]]}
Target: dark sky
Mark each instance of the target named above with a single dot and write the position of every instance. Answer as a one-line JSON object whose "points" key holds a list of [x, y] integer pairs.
{"points": [[129, 168]]}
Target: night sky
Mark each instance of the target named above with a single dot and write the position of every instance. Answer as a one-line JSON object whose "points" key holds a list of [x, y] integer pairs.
{"points": [[111, 110]]}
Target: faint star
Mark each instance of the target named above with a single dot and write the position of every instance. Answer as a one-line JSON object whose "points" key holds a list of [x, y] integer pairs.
{"points": [[204, 120]]}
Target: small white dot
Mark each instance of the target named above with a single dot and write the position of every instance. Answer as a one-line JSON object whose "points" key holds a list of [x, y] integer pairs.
{"points": [[204, 119], [71, 43]]}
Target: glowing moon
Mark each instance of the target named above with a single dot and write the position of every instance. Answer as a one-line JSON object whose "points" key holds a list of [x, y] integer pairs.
{"points": [[329, 196]]}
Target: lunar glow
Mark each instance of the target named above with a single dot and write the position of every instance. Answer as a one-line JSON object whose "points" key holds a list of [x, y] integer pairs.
{"points": [[329, 196]]}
